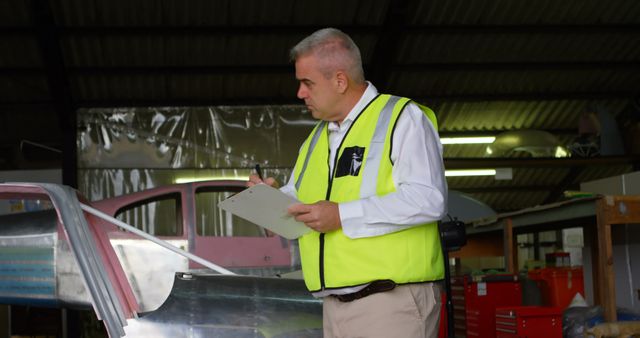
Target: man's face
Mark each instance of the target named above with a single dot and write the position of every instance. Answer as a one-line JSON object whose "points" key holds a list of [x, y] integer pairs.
{"points": [[320, 94]]}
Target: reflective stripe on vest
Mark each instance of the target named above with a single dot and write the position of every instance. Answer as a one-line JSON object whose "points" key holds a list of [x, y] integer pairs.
{"points": [[312, 145], [370, 174]]}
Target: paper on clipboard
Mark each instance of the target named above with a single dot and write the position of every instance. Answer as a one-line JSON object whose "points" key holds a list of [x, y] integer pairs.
{"points": [[266, 207]]}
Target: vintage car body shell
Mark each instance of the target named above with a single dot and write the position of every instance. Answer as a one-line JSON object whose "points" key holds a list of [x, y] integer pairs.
{"points": [[38, 267]]}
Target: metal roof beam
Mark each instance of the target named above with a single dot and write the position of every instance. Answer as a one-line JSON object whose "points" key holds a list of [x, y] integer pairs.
{"points": [[472, 29], [286, 69], [473, 163], [385, 50], [493, 132], [528, 96], [475, 29], [518, 66], [480, 190], [29, 107], [58, 83], [432, 100], [556, 192], [627, 66], [435, 99]]}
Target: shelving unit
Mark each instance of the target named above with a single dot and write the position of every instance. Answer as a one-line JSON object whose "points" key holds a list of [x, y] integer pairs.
{"points": [[601, 213]]}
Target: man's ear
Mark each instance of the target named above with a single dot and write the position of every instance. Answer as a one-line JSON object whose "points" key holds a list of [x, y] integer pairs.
{"points": [[341, 82]]}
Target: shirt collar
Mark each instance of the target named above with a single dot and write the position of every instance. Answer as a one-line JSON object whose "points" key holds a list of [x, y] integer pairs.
{"points": [[369, 94]]}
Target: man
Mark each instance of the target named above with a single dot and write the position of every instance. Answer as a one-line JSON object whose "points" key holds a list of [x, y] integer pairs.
{"points": [[371, 181]]}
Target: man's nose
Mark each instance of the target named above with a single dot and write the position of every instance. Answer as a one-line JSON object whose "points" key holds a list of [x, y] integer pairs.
{"points": [[302, 92]]}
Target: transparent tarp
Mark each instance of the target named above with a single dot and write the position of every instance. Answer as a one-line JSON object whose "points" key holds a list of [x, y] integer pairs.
{"points": [[191, 138], [125, 150]]}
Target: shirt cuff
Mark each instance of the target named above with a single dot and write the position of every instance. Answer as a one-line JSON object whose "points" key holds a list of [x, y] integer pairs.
{"points": [[351, 217], [289, 190]]}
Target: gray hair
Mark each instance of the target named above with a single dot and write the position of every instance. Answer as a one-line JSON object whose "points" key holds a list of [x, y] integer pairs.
{"points": [[335, 50]]}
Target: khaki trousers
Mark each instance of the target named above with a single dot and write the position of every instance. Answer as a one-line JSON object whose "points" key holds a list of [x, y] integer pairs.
{"points": [[408, 311]]}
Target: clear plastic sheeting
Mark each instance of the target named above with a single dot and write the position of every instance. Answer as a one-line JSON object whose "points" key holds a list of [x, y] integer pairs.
{"points": [[191, 137]]}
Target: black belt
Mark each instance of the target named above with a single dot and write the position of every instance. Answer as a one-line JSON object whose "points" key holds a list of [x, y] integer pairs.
{"points": [[374, 287]]}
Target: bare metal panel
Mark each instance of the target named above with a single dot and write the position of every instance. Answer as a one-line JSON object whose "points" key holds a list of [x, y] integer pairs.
{"points": [[203, 305], [150, 269], [27, 252]]}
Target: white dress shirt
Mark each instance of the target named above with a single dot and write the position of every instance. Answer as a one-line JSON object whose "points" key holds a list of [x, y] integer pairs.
{"points": [[418, 174]]}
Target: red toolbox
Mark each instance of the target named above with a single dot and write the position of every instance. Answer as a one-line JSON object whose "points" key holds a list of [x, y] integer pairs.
{"points": [[558, 285], [475, 300], [529, 322], [442, 330]]}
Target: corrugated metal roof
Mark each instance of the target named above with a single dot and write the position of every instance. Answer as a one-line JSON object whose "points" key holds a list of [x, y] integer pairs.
{"points": [[220, 12], [510, 201], [486, 67], [525, 12], [19, 52], [597, 172], [14, 13], [509, 115], [24, 88], [517, 46], [435, 83]]}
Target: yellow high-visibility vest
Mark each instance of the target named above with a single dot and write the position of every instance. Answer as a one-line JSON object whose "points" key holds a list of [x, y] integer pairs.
{"points": [[362, 169]]}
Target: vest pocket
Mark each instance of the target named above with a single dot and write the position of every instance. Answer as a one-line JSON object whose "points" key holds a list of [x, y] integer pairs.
{"points": [[350, 161]]}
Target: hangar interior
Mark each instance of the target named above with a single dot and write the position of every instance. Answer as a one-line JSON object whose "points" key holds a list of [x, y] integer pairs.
{"points": [[121, 96]]}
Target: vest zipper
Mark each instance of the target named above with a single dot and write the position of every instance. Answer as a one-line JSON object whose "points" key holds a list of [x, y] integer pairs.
{"points": [[331, 174], [322, 261], [321, 238]]}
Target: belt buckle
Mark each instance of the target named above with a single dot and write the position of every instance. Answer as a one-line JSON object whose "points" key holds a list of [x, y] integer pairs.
{"points": [[345, 298], [384, 285]]}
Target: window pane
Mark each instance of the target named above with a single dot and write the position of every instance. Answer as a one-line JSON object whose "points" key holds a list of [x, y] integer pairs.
{"points": [[213, 221], [156, 217], [24, 217], [10, 206]]}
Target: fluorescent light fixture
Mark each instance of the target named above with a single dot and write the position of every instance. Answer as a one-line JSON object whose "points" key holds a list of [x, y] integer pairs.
{"points": [[468, 140], [561, 152], [470, 172], [210, 178], [504, 174]]}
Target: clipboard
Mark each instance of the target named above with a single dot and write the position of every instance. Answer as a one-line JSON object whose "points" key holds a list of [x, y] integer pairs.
{"points": [[267, 207]]}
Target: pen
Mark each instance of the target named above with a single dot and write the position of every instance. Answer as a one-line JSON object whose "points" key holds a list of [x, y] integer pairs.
{"points": [[259, 172]]}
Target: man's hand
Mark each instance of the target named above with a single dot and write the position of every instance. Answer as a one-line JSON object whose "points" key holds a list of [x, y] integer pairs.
{"points": [[254, 179], [322, 216]]}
